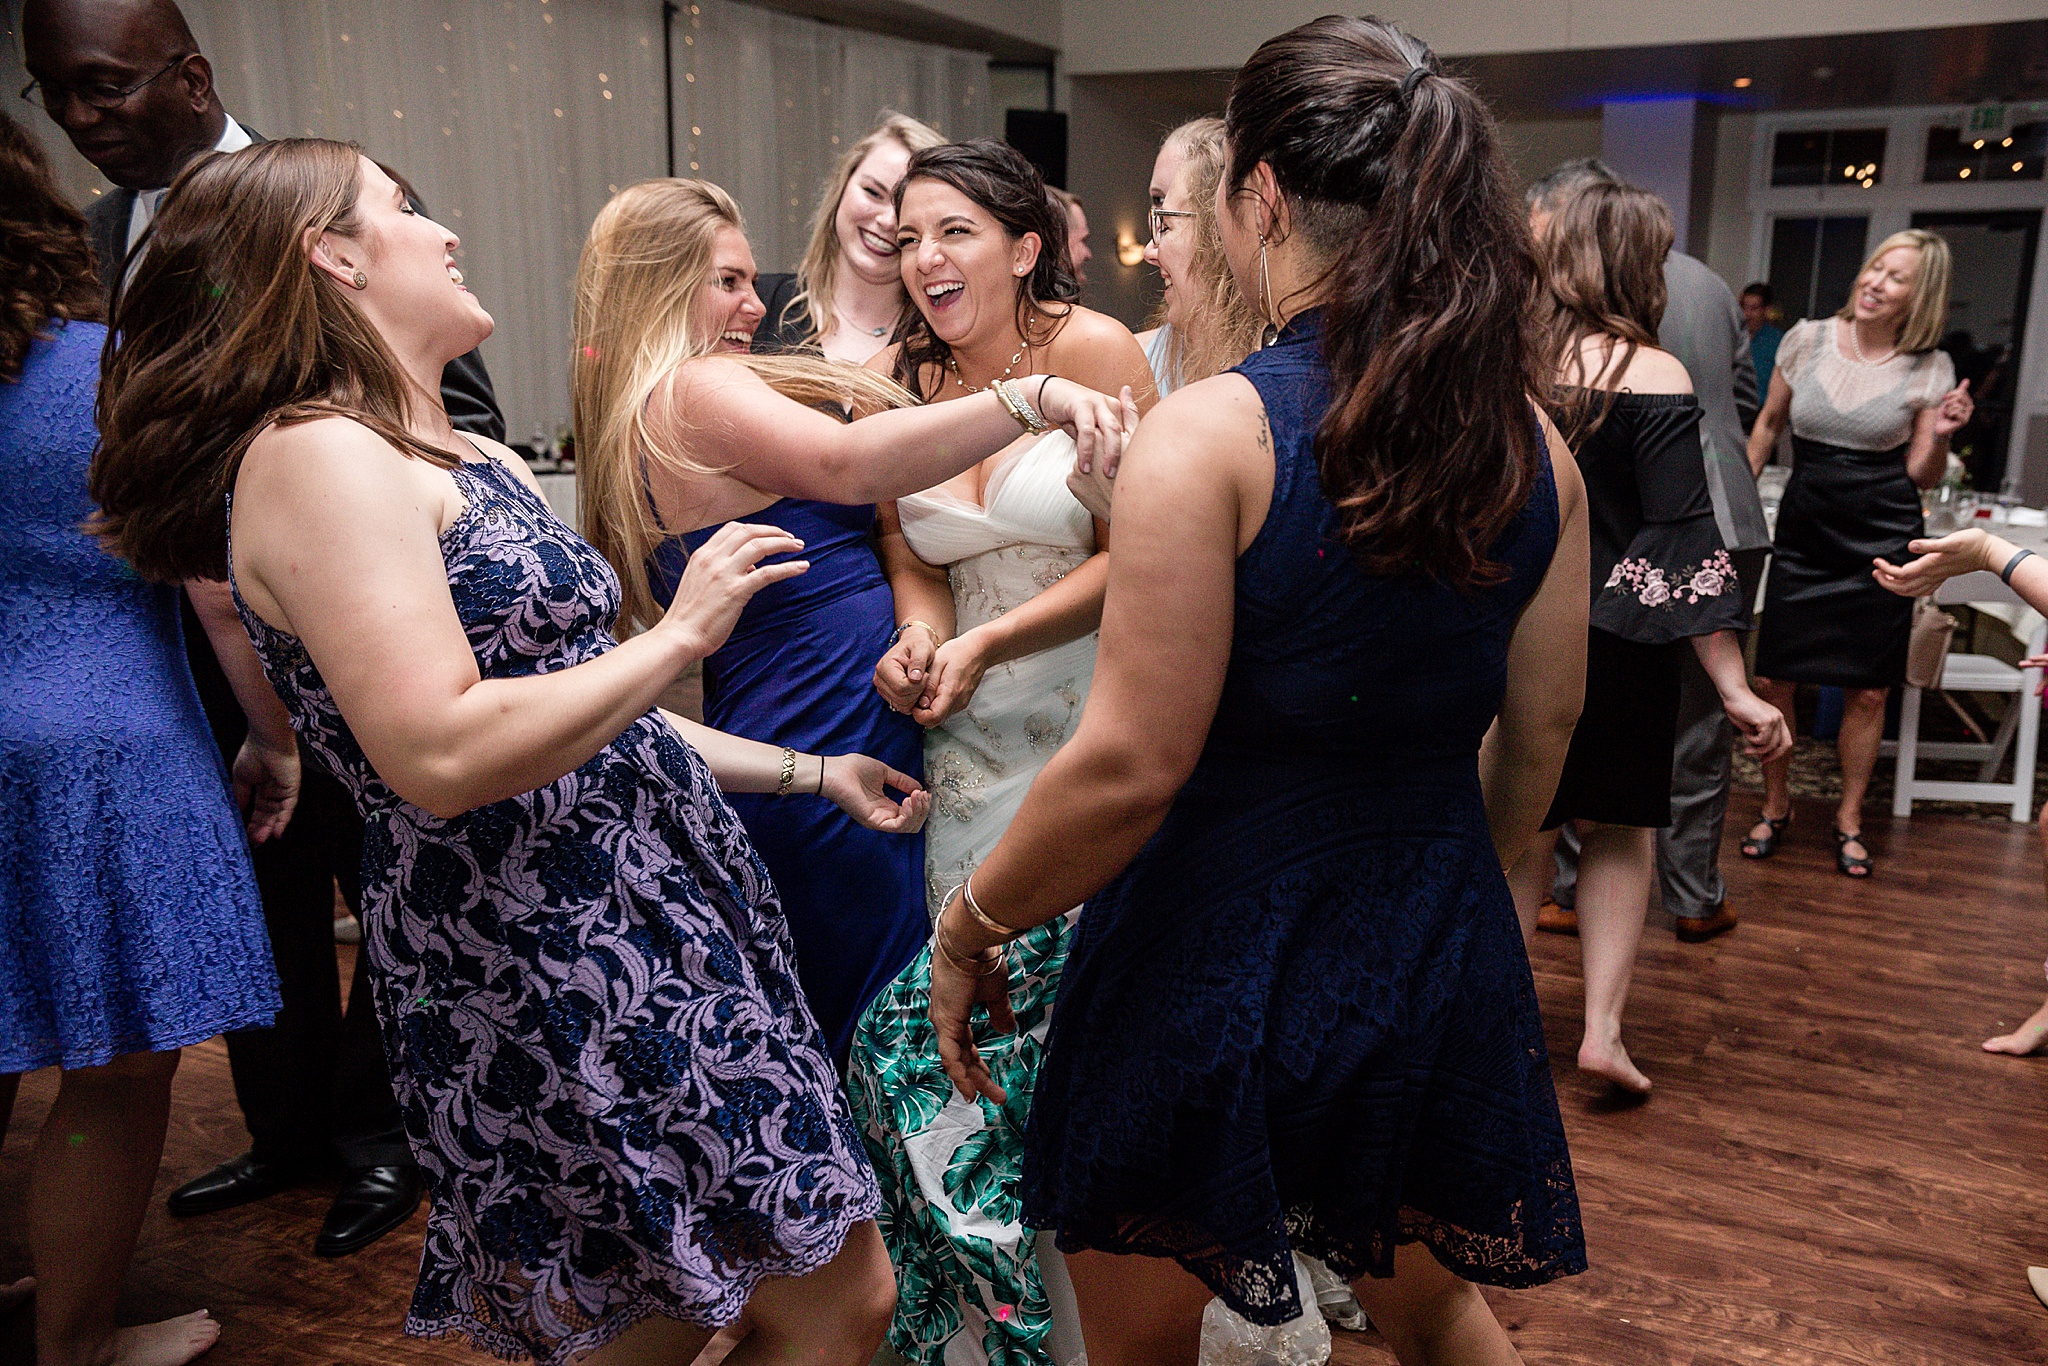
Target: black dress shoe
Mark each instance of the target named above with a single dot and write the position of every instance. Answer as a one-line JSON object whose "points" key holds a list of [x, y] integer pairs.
{"points": [[234, 1182], [372, 1202]]}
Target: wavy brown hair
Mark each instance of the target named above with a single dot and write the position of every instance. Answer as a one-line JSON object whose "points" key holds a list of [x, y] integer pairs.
{"points": [[46, 262], [224, 328], [1222, 329], [1006, 186], [1603, 275], [1429, 448]]}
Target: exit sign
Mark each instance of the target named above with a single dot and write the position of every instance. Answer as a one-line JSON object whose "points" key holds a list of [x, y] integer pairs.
{"points": [[1987, 118]]}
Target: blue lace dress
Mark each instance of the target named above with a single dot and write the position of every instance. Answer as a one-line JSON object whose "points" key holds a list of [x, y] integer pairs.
{"points": [[619, 1099], [1303, 1017], [128, 913]]}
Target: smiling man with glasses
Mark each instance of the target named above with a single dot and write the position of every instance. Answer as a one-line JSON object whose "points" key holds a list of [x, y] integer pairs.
{"points": [[128, 85]]}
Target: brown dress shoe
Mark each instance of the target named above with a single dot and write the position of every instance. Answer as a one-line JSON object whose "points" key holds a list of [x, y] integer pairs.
{"points": [[1552, 918], [1697, 929]]}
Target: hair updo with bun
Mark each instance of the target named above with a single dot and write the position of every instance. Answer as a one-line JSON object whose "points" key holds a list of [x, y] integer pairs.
{"points": [[1394, 175]]}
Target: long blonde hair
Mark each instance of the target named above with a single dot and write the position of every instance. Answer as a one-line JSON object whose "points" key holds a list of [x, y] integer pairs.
{"points": [[1223, 329], [817, 275], [648, 256], [1927, 312]]}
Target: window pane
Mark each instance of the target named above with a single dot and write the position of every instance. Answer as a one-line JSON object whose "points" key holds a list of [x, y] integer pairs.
{"points": [[2017, 154], [1814, 263], [1799, 158], [1791, 277], [1856, 155], [1833, 156], [1841, 256]]}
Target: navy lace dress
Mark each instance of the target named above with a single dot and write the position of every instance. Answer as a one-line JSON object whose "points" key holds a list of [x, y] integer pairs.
{"points": [[128, 913], [619, 1099], [1303, 1017]]}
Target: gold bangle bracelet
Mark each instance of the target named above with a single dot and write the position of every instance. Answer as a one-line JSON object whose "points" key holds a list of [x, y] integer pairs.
{"points": [[903, 626], [788, 772], [973, 967], [982, 917]]}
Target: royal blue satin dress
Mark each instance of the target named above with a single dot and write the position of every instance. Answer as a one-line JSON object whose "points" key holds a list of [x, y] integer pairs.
{"points": [[799, 670]]}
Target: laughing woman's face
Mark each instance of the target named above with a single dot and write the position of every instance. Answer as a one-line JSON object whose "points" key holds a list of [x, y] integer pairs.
{"points": [[962, 269]]}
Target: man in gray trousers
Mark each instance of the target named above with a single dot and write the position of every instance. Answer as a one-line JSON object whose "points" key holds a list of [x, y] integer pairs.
{"points": [[1702, 327]]}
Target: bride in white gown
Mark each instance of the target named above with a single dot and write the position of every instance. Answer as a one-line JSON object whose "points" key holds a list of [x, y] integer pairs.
{"points": [[998, 577], [970, 1285]]}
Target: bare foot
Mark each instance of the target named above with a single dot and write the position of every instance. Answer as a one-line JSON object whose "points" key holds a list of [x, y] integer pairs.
{"points": [[170, 1343], [12, 1297], [1612, 1062], [2024, 1040]]}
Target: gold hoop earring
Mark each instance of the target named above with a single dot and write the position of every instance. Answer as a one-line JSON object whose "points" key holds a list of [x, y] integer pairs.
{"points": [[361, 281]]}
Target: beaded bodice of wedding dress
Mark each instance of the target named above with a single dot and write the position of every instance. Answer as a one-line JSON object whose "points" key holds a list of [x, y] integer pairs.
{"points": [[1027, 535]]}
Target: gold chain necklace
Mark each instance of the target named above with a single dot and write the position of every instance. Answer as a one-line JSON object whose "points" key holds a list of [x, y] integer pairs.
{"points": [[953, 365]]}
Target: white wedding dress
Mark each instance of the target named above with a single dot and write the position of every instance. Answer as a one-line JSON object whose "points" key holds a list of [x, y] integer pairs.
{"points": [[1028, 535]]}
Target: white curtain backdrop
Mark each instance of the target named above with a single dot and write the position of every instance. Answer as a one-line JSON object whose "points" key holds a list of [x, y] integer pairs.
{"points": [[766, 103], [517, 119]]}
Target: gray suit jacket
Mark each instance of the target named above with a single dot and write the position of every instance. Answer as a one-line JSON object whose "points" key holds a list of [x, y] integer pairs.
{"points": [[1703, 327], [465, 385]]}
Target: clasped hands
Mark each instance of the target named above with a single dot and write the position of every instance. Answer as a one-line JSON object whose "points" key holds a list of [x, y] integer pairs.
{"points": [[928, 679]]}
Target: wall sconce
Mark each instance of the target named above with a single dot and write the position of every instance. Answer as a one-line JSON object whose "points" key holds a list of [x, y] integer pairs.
{"points": [[1129, 250]]}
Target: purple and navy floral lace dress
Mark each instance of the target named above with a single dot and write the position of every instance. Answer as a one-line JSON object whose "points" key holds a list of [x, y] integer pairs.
{"points": [[1661, 575], [620, 1101]]}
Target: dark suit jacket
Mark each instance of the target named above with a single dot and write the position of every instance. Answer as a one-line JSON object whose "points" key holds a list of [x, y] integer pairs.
{"points": [[465, 385]]}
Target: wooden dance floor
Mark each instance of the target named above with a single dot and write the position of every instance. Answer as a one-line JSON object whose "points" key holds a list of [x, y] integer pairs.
{"points": [[1830, 1171]]}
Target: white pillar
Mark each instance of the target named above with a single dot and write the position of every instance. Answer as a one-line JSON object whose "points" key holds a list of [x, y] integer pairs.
{"points": [[1667, 148]]}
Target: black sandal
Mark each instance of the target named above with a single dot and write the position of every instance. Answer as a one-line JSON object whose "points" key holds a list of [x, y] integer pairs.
{"points": [[1851, 867], [1753, 847]]}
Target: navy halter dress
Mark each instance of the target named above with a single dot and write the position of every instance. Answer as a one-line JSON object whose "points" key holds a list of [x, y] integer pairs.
{"points": [[1303, 1018]]}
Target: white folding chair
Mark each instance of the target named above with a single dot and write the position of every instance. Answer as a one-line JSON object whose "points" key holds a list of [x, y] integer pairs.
{"points": [[1972, 673]]}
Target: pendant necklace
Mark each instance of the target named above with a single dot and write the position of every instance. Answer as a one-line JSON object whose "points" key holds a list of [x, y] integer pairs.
{"points": [[871, 331], [953, 365]]}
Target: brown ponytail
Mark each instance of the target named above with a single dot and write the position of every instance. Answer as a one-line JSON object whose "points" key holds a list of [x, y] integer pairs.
{"points": [[1395, 174]]}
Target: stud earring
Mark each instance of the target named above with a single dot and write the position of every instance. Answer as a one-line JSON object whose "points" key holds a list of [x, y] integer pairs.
{"points": [[361, 281]]}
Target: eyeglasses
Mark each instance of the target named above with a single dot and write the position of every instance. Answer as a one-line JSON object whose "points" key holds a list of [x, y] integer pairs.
{"points": [[1160, 227], [98, 96]]}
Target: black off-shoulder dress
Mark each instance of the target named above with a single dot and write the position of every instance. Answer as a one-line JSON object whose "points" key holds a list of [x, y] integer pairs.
{"points": [[1661, 575]]}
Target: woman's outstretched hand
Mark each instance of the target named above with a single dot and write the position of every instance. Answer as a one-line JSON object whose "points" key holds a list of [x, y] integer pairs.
{"points": [[859, 786], [1094, 487], [1941, 559], [721, 579], [1095, 421]]}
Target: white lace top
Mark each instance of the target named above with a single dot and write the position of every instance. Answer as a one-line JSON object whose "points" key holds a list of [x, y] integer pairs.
{"points": [[1839, 401]]}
